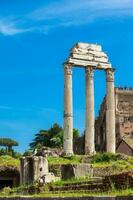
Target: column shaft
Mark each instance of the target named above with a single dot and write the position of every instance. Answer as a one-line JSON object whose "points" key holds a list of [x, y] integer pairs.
{"points": [[110, 112], [89, 120], [68, 118]]}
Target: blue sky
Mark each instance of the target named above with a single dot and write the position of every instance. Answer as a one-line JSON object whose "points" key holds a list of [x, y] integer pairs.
{"points": [[35, 39]]}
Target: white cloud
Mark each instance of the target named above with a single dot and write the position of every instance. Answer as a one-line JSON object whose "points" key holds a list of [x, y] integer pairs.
{"points": [[78, 12], [9, 28], [72, 9], [66, 13]]}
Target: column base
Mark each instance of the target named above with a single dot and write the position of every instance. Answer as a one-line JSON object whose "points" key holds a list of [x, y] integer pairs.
{"points": [[90, 152], [68, 147], [68, 153]]}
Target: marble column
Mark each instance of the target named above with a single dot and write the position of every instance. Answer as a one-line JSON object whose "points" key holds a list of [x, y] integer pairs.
{"points": [[110, 112], [89, 120], [68, 117]]}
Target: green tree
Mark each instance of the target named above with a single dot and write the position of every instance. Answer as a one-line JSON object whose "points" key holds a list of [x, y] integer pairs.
{"points": [[76, 133], [41, 139], [57, 141], [52, 137], [8, 143]]}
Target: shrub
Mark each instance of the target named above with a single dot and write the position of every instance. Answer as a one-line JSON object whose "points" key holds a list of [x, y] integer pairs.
{"points": [[103, 157]]}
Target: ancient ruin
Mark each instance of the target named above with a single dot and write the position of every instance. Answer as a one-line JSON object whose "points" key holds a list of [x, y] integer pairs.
{"points": [[123, 123], [104, 132], [91, 58], [35, 169]]}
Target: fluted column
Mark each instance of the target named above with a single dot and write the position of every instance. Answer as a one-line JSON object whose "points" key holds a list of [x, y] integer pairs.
{"points": [[110, 112], [68, 117], [89, 120]]}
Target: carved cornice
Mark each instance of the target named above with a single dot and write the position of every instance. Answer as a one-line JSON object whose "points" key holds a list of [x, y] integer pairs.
{"points": [[89, 72], [67, 69], [110, 75]]}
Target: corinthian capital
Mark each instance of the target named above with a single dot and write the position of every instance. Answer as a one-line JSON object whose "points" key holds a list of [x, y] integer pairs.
{"points": [[68, 69], [89, 72], [110, 74]]}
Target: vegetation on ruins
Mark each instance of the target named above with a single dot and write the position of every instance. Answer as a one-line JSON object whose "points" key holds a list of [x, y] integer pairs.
{"points": [[8, 161], [43, 191], [53, 137], [114, 162], [75, 159]]}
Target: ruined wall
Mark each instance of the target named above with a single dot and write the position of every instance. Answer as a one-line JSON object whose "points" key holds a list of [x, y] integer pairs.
{"points": [[32, 168], [124, 117]]}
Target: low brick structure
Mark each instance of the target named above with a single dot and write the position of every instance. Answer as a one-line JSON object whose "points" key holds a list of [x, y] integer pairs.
{"points": [[119, 181]]}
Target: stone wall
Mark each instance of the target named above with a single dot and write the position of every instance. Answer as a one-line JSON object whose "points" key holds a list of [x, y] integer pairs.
{"points": [[124, 117], [119, 181], [76, 171], [106, 171]]}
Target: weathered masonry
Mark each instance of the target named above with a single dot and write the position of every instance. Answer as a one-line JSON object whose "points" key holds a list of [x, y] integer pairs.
{"points": [[35, 169], [123, 122], [91, 58]]}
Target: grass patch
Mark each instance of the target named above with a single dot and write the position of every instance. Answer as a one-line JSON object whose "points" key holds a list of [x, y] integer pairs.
{"points": [[76, 159], [114, 192], [126, 192], [70, 181], [104, 157], [114, 161], [8, 161]]}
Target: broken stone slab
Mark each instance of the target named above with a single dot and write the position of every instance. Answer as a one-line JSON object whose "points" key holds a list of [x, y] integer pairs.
{"points": [[47, 178], [90, 58], [76, 171], [89, 53], [84, 63], [94, 47], [86, 51], [46, 151]]}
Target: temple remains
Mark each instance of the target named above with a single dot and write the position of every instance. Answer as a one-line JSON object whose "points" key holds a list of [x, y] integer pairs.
{"points": [[110, 131], [90, 57]]}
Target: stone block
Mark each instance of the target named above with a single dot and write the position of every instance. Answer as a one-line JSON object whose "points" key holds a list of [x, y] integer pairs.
{"points": [[32, 168], [49, 177], [76, 171]]}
